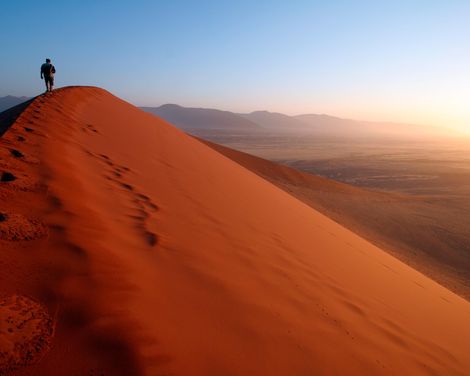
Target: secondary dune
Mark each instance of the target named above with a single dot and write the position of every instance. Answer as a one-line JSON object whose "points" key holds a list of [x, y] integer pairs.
{"points": [[133, 248]]}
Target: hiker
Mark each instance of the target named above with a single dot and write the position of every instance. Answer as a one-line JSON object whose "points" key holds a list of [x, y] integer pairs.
{"points": [[47, 71]]}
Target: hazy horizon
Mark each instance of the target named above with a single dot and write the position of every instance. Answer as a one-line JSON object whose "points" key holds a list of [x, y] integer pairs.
{"points": [[454, 133], [402, 62]]}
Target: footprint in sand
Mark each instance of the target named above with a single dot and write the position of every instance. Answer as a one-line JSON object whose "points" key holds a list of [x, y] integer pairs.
{"points": [[26, 330], [418, 284], [151, 238], [147, 201], [127, 186], [15, 227], [23, 183], [444, 299], [7, 177], [16, 153], [89, 129]]}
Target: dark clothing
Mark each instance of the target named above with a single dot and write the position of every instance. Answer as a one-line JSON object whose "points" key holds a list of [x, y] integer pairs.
{"points": [[49, 80], [47, 71]]}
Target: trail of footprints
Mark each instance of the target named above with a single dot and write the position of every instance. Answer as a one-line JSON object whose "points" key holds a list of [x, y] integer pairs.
{"points": [[143, 205], [14, 177], [89, 128], [25, 324]]}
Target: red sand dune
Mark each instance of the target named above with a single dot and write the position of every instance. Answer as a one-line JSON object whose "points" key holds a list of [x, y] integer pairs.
{"points": [[134, 248]]}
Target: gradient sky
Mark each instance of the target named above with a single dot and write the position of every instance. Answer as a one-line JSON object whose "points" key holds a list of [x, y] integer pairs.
{"points": [[405, 61]]}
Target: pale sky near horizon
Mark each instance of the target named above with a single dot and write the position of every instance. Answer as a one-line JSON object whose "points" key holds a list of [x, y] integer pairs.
{"points": [[406, 61]]}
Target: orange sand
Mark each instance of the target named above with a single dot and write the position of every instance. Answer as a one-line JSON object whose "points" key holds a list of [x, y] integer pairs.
{"points": [[162, 256]]}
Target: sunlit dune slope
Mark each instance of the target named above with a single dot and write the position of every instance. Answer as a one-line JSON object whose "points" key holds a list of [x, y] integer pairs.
{"points": [[154, 254], [426, 236]]}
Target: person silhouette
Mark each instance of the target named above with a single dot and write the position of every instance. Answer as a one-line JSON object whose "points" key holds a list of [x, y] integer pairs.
{"points": [[47, 72]]}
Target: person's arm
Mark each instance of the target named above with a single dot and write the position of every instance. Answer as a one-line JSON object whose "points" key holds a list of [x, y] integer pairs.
{"points": [[41, 72]]}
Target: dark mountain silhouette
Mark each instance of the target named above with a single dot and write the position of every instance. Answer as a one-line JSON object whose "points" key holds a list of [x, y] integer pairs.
{"points": [[11, 101], [201, 118], [327, 123], [275, 120], [192, 119]]}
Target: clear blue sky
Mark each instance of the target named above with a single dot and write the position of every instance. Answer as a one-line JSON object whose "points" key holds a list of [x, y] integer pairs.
{"points": [[379, 60]]}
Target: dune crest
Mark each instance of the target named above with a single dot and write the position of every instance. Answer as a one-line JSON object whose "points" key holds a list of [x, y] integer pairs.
{"points": [[165, 257]]}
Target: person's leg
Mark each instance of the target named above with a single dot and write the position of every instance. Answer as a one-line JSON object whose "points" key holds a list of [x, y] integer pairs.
{"points": [[47, 83], [51, 83]]}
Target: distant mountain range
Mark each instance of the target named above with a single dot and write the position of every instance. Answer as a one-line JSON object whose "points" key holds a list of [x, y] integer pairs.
{"points": [[197, 119], [10, 101], [201, 118], [274, 120]]}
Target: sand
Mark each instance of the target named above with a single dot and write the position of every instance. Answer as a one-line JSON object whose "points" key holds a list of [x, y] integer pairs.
{"points": [[163, 257], [429, 232]]}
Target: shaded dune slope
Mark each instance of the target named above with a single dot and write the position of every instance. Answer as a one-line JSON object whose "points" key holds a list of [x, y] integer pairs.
{"points": [[8, 117], [404, 225], [154, 254]]}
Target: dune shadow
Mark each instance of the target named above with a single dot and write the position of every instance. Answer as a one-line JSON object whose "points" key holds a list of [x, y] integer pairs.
{"points": [[8, 117]]}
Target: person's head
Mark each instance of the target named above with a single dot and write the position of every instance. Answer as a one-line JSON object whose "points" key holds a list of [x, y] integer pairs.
{"points": [[48, 60]]}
